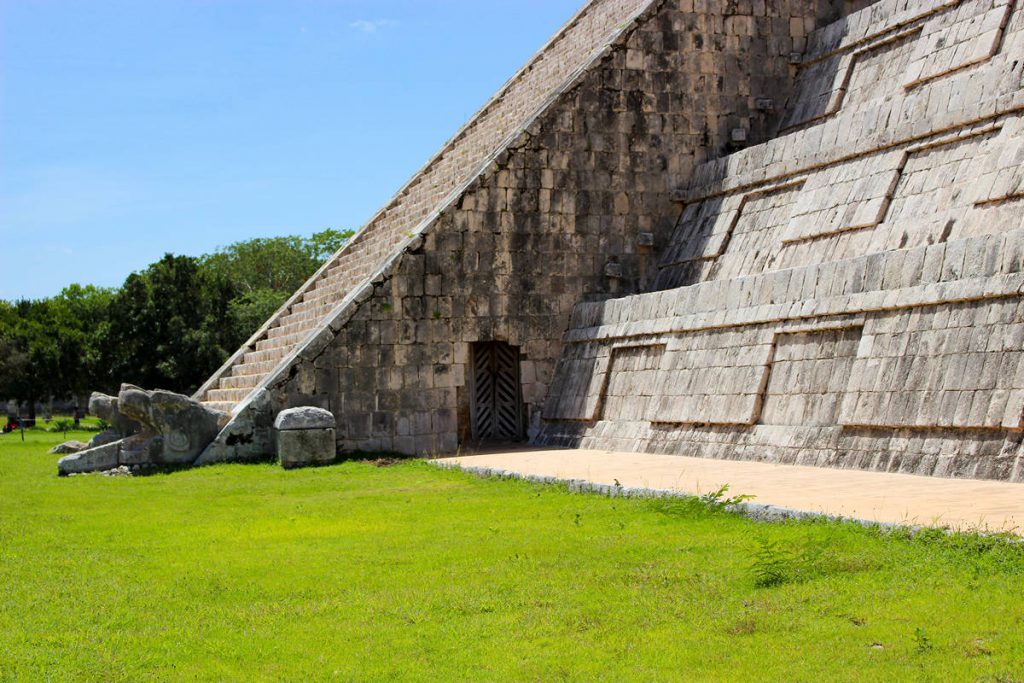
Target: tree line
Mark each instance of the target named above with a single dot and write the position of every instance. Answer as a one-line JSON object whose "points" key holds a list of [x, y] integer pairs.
{"points": [[169, 326]]}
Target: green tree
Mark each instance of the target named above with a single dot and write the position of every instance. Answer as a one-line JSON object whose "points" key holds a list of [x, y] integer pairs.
{"points": [[325, 243], [79, 318], [15, 369], [250, 310], [274, 263], [31, 369], [168, 326], [263, 273]]}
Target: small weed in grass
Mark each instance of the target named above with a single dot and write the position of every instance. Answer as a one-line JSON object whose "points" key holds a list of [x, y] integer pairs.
{"points": [[63, 425], [773, 565], [717, 500], [712, 503], [922, 643]]}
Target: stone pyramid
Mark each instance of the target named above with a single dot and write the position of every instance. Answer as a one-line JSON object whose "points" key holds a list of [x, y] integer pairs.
{"points": [[419, 203], [785, 230]]}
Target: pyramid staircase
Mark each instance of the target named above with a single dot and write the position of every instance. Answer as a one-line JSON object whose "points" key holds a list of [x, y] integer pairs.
{"points": [[276, 340], [576, 45]]}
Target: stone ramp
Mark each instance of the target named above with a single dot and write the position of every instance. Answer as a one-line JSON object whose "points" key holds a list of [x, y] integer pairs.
{"points": [[471, 149], [868, 496], [845, 295]]}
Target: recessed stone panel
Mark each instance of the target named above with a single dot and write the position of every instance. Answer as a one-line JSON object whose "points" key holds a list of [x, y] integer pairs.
{"points": [[809, 372], [954, 366], [631, 382], [964, 36], [712, 378], [849, 196]]}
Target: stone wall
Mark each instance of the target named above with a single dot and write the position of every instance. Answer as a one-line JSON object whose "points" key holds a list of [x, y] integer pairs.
{"points": [[572, 209], [847, 294]]}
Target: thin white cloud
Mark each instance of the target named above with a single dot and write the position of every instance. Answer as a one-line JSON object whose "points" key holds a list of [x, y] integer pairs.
{"points": [[371, 26]]}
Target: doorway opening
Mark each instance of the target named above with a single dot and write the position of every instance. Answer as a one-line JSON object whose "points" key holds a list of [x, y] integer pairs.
{"points": [[497, 395]]}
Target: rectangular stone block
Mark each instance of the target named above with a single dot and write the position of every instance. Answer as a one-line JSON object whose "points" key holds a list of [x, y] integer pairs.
{"points": [[304, 447]]}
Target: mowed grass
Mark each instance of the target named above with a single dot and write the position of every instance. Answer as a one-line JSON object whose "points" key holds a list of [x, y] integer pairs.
{"points": [[408, 572]]}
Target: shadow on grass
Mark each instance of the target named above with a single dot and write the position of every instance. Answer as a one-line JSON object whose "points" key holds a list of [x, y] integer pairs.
{"points": [[377, 459]]}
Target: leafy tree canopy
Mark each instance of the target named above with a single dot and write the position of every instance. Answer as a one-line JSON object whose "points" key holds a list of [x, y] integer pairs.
{"points": [[168, 326]]}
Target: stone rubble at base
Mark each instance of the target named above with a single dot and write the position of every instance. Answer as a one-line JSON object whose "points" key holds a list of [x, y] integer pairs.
{"points": [[169, 430], [68, 447], [119, 471]]}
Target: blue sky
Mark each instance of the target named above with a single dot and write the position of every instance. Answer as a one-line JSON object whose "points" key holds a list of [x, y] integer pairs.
{"points": [[134, 128]]}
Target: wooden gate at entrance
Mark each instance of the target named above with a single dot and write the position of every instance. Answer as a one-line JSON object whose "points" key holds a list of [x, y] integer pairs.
{"points": [[497, 397]]}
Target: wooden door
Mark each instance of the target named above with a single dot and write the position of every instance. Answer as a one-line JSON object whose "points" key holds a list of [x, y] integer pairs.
{"points": [[497, 397]]}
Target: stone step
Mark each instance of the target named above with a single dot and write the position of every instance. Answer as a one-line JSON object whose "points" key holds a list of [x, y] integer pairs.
{"points": [[226, 395], [283, 328], [268, 356], [342, 279], [330, 285], [315, 302], [309, 318], [258, 368], [225, 406], [239, 381], [329, 289], [286, 341], [335, 272]]}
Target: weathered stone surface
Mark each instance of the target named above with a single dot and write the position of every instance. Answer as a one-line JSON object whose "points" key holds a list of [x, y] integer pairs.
{"points": [[105, 407], [498, 240], [172, 431], [185, 427], [121, 471], [848, 295], [304, 418], [305, 447], [305, 436], [68, 447], [92, 460], [103, 438], [133, 402], [142, 449], [249, 437]]}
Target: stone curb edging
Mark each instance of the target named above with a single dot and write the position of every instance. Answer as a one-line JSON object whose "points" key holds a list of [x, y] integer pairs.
{"points": [[759, 512]]}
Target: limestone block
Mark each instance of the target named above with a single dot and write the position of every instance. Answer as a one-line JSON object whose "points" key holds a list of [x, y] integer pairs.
{"points": [[248, 436], [141, 449], [306, 417], [186, 427], [105, 408], [172, 430], [103, 438], [305, 436], [91, 460], [304, 447]]}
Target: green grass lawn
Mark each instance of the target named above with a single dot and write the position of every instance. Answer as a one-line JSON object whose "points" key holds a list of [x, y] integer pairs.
{"points": [[88, 425], [408, 572]]}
